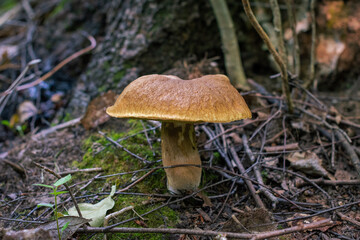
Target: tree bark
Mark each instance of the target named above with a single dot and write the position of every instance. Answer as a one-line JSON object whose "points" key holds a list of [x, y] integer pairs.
{"points": [[145, 37]]}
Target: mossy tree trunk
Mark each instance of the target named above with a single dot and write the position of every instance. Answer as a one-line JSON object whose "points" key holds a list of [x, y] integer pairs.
{"points": [[145, 37]]}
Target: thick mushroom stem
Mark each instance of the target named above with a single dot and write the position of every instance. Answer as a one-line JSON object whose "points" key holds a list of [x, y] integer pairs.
{"points": [[178, 146]]}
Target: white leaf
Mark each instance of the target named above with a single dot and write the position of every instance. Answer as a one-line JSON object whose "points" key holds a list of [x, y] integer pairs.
{"points": [[95, 212]]}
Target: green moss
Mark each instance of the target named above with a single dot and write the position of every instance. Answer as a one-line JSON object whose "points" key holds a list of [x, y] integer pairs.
{"points": [[60, 6], [99, 152], [164, 217], [6, 5], [119, 75]]}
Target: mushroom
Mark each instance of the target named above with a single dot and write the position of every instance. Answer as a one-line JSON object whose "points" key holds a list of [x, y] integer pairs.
{"points": [[178, 104]]}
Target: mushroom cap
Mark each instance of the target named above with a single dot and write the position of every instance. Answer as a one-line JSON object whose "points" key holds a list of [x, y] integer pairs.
{"points": [[210, 98]]}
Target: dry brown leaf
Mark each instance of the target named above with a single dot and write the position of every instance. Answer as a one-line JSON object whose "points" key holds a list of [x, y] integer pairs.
{"points": [[26, 110], [309, 163], [95, 113], [206, 199], [328, 52]]}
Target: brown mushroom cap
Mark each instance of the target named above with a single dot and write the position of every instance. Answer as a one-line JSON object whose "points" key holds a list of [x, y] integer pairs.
{"points": [[210, 98]]}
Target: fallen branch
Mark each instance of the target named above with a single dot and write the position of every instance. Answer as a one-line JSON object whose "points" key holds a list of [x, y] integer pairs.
{"points": [[257, 172], [290, 146], [329, 182], [346, 218], [86, 170], [264, 235], [45, 132], [349, 150], [252, 190], [58, 67]]}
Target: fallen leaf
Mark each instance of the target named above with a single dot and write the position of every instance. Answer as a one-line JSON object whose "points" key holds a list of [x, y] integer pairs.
{"points": [[206, 199], [95, 113], [73, 224], [26, 110], [328, 52], [46, 231], [28, 234], [95, 212], [309, 163]]}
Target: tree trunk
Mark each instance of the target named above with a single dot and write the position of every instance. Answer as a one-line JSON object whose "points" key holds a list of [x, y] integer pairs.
{"points": [[144, 37]]}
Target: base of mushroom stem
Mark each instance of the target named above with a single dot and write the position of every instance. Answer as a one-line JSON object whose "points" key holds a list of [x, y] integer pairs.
{"points": [[178, 144]]}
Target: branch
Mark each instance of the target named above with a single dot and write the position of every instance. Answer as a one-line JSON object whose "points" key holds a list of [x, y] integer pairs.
{"points": [[278, 30], [313, 41], [264, 235], [277, 57]]}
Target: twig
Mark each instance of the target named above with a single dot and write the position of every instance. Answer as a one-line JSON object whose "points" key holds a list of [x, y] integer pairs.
{"points": [[65, 184], [344, 121], [252, 190], [60, 65], [269, 195], [296, 49], [277, 57], [224, 203], [349, 150], [278, 30], [70, 123], [20, 220], [276, 136], [328, 182], [324, 122], [147, 137], [313, 44], [86, 170], [264, 235], [266, 122], [4, 97], [332, 149], [115, 214], [123, 148], [290, 146], [300, 176], [318, 213], [218, 147], [137, 181], [346, 218], [230, 130]]}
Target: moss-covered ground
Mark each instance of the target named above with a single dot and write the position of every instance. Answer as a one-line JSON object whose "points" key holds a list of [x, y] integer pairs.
{"points": [[99, 152]]}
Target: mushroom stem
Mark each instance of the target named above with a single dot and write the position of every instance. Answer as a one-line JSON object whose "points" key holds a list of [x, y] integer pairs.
{"points": [[178, 146]]}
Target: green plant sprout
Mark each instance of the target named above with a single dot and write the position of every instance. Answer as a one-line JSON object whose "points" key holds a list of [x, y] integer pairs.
{"points": [[19, 128], [55, 192]]}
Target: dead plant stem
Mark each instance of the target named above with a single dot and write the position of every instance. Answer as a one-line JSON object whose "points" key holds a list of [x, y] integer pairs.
{"points": [[296, 49], [277, 57], [65, 184]]}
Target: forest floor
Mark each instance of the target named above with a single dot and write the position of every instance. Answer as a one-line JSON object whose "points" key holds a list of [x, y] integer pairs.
{"points": [[278, 175], [300, 165]]}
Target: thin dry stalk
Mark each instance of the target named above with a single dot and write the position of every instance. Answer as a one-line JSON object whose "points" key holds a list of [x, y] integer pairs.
{"points": [[264, 235], [61, 64], [349, 150], [278, 30], [311, 78], [65, 184], [296, 48], [252, 190], [268, 194], [277, 57], [230, 44]]}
